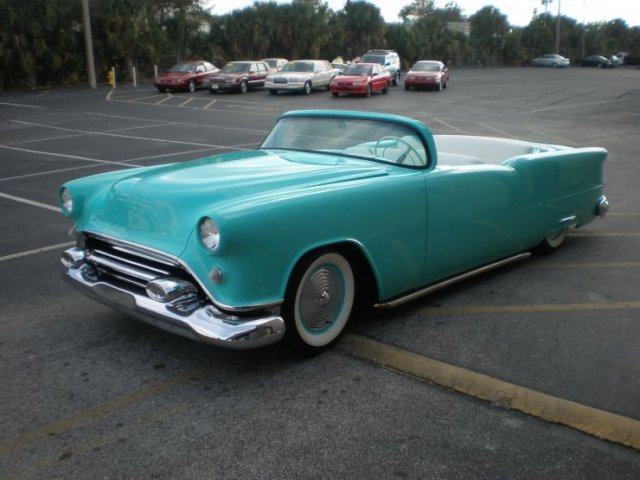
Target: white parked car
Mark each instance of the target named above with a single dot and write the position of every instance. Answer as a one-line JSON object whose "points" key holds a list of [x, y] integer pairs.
{"points": [[275, 64], [301, 75], [550, 60]]}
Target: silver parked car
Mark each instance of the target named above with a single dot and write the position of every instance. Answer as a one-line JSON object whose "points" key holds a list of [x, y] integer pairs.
{"points": [[550, 60], [301, 75]]}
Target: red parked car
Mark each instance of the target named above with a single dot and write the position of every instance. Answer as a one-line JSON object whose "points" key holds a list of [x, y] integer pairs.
{"points": [[185, 76], [239, 76], [427, 74], [361, 78]]}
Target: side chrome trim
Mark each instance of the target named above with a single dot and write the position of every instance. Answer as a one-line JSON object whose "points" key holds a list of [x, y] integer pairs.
{"points": [[450, 281]]}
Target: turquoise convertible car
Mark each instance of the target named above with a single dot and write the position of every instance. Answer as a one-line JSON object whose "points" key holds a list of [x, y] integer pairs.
{"points": [[336, 209]]}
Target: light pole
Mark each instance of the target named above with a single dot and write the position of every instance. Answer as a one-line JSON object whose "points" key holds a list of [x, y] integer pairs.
{"points": [[88, 44], [557, 48]]}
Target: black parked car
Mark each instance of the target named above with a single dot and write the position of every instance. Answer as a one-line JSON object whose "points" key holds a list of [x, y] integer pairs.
{"points": [[596, 61]]}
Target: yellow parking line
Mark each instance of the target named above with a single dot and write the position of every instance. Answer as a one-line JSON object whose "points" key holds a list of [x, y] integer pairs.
{"points": [[501, 132], [448, 125], [599, 423], [604, 234], [550, 135], [589, 265], [100, 410], [567, 307]]}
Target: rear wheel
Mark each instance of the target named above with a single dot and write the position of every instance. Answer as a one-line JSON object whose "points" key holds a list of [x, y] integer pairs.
{"points": [[272, 91], [318, 302], [553, 241], [162, 90], [335, 94], [396, 78]]}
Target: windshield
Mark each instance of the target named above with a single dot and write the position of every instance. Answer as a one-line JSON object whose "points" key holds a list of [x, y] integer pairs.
{"points": [[235, 68], [298, 67], [371, 139], [369, 58], [426, 67], [183, 67], [358, 69]]}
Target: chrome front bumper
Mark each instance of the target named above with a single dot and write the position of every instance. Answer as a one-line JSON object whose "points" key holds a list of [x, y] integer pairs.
{"points": [[206, 324]]}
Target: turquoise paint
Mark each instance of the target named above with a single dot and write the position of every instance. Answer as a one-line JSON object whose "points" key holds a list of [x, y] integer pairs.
{"points": [[414, 225]]}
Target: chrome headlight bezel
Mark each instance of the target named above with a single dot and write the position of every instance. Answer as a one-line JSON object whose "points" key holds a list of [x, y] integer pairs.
{"points": [[66, 201], [209, 234]]}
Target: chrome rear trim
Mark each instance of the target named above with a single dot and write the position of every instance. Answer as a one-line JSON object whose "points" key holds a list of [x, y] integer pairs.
{"points": [[450, 281]]}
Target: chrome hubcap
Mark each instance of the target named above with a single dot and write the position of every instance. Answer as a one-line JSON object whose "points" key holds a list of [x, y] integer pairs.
{"points": [[321, 299]]}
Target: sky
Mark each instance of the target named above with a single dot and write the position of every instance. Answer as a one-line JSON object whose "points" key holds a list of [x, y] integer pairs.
{"points": [[518, 12]]}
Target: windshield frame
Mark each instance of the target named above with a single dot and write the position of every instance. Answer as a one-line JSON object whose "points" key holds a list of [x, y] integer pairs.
{"points": [[415, 133]]}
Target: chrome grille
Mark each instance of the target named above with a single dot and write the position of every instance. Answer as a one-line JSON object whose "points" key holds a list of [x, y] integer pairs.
{"points": [[120, 262]]}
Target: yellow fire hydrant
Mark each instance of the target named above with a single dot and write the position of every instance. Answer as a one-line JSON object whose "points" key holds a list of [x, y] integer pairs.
{"points": [[110, 79]]}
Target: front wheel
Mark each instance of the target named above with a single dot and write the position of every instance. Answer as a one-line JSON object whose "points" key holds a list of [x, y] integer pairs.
{"points": [[318, 302], [192, 86], [367, 92], [244, 86], [307, 88], [396, 78]]}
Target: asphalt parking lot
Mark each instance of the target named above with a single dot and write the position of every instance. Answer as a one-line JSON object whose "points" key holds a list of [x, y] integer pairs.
{"points": [[530, 371]]}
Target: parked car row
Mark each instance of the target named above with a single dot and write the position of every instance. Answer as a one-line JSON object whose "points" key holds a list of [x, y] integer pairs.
{"points": [[558, 61], [363, 78]]}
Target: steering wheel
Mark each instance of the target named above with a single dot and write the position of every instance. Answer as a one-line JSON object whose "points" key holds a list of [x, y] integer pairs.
{"points": [[401, 158]]}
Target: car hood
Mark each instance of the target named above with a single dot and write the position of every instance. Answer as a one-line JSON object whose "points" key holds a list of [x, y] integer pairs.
{"points": [[160, 207]]}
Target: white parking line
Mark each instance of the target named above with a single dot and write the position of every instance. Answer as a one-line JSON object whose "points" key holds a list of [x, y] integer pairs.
{"points": [[37, 250], [74, 157], [217, 127], [21, 105], [148, 139], [188, 100], [48, 172], [30, 202], [157, 103]]}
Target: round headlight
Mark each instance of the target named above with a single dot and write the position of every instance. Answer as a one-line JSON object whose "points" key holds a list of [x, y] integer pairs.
{"points": [[65, 201], [209, 234]]}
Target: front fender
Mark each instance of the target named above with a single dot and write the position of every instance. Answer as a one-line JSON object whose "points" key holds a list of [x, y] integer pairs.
{"points": [[262, 240]]}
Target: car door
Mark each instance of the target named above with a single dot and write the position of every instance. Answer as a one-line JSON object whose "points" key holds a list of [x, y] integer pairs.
{"points": [[261, 73], [200, 73], [379, 79], [323, 74], [471, 218]]}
